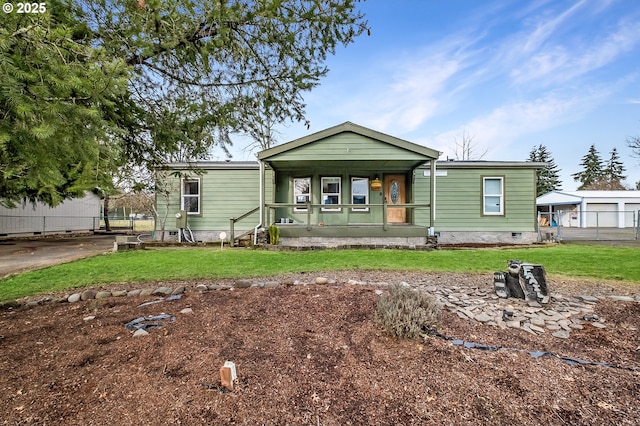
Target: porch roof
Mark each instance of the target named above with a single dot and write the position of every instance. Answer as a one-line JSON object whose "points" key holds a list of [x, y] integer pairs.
{"points": [[351, 145]]}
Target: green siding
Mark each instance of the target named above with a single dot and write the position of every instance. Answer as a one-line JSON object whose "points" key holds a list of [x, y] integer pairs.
{"points": [[459, 199], [345, 147], [225, 193]]}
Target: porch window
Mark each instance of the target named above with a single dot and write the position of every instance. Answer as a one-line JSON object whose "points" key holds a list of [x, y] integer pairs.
{"points": [[190, 196], [331, 193], [493, 196], [301, 193], [359, 193]]}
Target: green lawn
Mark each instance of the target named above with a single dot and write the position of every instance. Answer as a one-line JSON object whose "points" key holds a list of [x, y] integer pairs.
{"points": [[595, 262]]}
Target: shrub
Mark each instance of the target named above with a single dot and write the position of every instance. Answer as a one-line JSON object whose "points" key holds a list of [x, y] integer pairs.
{"points": [[407, 312], [274, 235]]}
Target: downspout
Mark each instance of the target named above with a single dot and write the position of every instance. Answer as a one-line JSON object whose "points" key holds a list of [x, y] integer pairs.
{"points": [[432, 184], [261, 198]]}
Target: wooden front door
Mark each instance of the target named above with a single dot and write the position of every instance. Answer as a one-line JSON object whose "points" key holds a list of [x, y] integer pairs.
{"points": [[394, 193]]}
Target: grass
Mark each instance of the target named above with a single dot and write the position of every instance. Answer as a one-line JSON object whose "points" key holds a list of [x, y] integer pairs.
{"points": [[585, 261]]}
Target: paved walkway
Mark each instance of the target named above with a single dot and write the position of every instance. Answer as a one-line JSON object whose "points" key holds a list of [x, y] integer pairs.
{"points": [[18, 255]]}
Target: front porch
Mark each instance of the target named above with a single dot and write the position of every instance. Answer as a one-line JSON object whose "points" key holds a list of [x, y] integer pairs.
{"points": [[392, 235]]}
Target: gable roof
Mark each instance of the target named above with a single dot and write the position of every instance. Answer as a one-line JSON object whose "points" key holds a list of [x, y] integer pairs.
{"points": [[353, 128]]}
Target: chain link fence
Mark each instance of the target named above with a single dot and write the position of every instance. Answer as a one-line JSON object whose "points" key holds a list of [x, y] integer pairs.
{"points": [[46, 225], [600, 225]]}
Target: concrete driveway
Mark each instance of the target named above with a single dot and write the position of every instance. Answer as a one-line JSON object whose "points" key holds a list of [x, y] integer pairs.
{"points": [[18, 255]]}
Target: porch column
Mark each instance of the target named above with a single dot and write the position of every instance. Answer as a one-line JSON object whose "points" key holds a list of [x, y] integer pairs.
{"points": [[432, 193]]}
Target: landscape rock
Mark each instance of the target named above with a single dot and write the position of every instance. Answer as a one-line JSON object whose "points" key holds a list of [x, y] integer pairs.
{"points": [[88, 295], [186, 311], [242, 284], [162, 291], [561, 334], [134, 293], [622, 298], [140, 333], [73, 298], [178, 290], [147, 291], [119, 293], [202, 287], [103, 294], [322, 280]]}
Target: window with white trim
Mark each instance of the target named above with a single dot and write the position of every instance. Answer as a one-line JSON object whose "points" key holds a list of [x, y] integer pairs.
{"points": [[301, 193], [331, 193], [359, 193], [493, 196], [190, 196]]}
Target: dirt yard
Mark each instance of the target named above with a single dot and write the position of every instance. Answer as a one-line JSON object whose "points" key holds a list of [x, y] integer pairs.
{"points": [[309, 355]]}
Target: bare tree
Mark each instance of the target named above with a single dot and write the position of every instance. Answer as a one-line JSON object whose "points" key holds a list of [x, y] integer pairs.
{"points": [[465, 149]]}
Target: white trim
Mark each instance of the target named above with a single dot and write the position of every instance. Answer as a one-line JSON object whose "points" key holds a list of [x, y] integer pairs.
{"points": [[325, 195], [301, 194], [366, 194], [197, 196], [500, 205]]}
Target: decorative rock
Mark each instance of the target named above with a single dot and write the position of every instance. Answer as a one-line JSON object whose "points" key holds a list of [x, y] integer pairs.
{"points": [[621, 298], [379, 292], [538, 322], [598, 325], [287, 282], [242, 284], [589, 298], [75, 297], [89, 318], [322, 280], [536, 328], [271, 284], [140, 333], [88, 295], [562, 334], [202, 287], [513, 324], [483, 317], [186, 311], [162, 291], [119, 293], [134, 293], [103, 294], [178, 290], [576, 326], [331, 281], [147, 292], [553, 327]]}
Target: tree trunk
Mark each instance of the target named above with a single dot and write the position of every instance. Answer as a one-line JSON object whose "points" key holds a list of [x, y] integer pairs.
{"points": [[105, 213]]}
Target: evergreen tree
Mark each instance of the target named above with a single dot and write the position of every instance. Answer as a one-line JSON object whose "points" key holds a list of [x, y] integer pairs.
{"points": [[548, 178], [90, 86], [614, 168], [54, 88], [592, 171]]}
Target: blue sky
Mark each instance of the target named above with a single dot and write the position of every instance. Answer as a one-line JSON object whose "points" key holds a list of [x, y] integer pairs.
{"points": [[510, 75]]}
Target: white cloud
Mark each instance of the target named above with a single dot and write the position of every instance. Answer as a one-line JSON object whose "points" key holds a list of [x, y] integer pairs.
{"points": [[497, 131]]}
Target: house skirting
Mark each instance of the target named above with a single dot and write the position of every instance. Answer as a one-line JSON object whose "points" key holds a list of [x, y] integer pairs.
{"points": [[403, 235], [486, 237]]}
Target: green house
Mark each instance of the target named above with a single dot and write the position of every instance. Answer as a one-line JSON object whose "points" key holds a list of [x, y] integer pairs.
{"points": [[350, 185]]}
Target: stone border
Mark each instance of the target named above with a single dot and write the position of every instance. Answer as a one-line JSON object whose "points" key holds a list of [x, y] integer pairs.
{"points": [[562, 315]]}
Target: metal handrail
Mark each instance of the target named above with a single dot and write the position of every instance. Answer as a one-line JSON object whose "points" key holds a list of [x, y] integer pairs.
{"points": [[232, 222]]}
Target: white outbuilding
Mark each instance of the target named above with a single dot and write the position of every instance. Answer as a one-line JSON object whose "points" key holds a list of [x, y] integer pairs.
{"points": [[587, 209]]}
